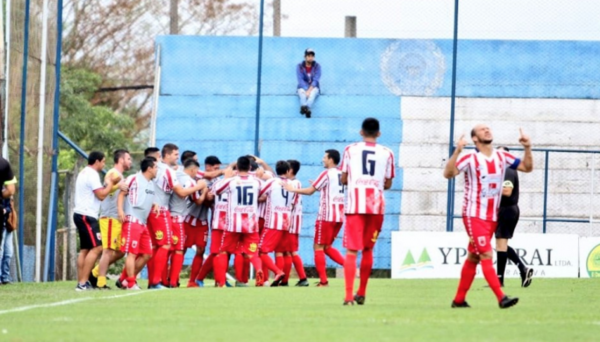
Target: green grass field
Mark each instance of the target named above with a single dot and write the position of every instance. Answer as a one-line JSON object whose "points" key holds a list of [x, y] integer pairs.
{"points": [[396, 310]]}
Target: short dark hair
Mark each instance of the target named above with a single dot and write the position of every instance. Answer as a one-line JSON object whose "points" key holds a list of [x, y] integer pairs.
{"points": [[251, 157], [243, 164], [94, 157], [187, 155], [333, 154], [151, 150], [118, 154], [473, 133], [212, 160], [190, 162], [370, 127], [282, 167], [294, 165], [147, 163], [168, 148]]}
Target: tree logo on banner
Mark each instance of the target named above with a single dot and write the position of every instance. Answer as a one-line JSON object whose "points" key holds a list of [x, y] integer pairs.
{"points": [[409, 263], [593, 262]]}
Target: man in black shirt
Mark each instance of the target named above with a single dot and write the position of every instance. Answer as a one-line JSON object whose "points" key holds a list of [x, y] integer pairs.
{"points": [[508, 217]]}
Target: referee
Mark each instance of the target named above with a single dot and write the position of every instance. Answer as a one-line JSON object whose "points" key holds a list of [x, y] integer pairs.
{"points": [[508, 217]]}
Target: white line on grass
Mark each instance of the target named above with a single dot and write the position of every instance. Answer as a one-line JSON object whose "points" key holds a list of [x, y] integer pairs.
{"points": [[67, 302]]}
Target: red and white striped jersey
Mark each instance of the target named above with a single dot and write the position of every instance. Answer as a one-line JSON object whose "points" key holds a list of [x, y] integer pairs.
{"points": [[368, 165], [165, 181], [296, 225], [278, 212], [331, 203], [262, 206], [483, 182], [219, 211], [242, 200]]}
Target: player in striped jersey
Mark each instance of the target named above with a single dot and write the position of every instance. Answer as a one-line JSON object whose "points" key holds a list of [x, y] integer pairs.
{"points": [[160, 224], [368, 169], [278, 216], [291, 256], [331, 212], [242, 220], [180, 209], [484, 171], [134, 207]]}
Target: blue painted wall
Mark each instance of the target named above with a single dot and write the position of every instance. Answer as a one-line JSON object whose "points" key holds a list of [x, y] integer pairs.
{"points": [[208, 95]]}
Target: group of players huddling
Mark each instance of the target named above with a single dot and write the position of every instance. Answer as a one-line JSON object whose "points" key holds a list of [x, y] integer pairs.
{"points": [[250, 211]]}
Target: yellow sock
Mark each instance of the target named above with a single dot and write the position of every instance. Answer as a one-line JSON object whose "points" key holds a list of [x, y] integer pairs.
{"points": [[96, 271], [101, 281]]}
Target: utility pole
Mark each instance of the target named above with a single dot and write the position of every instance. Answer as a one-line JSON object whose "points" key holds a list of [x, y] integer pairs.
{"points": [[350, 27], [174, 17], [276, 18]]}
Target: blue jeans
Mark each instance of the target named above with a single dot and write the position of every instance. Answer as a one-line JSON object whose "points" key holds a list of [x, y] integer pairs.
{"points": [[304, 101], [6, 254]]}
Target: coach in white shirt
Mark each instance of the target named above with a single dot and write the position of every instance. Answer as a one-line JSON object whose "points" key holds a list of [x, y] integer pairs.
{"points": [[89, 192]]}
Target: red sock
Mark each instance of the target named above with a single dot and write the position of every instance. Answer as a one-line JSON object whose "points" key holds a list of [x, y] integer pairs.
{"points": [[280, 262], [467, 275], [165, 273], [220, 267], [320, 265], [287, 267], [123, 274], [239, 267], [196, 265], [492, 278], [366, 264], [150, 266], [299, 266], [256, 262], [349, 275], [176, 265], [206, 267], [335, 255], [269, 264], [160, 262], [246, 274], [130, 282]]}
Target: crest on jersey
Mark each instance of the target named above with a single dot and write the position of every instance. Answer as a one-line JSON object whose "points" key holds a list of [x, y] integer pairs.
{"points": [[134, 244], [159, 235], [175, 239], [481, 241], [99, 236], [253, 247]]}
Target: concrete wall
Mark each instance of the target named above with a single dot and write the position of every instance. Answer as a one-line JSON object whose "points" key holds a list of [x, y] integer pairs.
{"points": [[207, 103]]}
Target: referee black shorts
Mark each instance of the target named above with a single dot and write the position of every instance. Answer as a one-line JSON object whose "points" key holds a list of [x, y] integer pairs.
{"points": [[508, 217], [89, 231]]}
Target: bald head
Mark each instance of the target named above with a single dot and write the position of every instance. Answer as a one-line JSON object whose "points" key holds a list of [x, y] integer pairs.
{"points": [[482, 134]]}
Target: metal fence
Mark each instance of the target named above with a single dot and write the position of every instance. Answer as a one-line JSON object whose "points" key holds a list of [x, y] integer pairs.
{"points": [[218, 77]]}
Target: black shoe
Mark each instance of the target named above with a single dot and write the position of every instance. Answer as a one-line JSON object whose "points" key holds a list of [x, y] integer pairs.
{"points": [[284, 284], [360, 300], [119, 284], [93, 280], [308, 113], [507, 302], [277, 280], [456, 305], [348, 303], [105, 287], [302, 283], [526, 277], [303, 109]]}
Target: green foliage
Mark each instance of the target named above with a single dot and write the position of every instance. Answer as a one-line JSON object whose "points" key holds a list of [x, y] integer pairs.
{"points": [[90, 126]]}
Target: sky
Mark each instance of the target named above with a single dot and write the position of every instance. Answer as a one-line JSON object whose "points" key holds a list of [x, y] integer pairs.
{"points": [[478, 19]]}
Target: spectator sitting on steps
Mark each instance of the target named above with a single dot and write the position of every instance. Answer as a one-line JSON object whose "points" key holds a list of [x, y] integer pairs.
{"points": [[308, 73]]}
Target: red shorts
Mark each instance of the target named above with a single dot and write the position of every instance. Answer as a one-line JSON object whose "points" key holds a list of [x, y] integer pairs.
{"points": [[178, 236], [246, 243], [292, 242], [160, 228], [216, 238], [271, 240], [196, 236], [135, 239], [480, 234], [326, 232], [362, 231]]}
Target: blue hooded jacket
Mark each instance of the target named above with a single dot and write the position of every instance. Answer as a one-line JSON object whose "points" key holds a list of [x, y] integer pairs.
{"points": [[304, 81]]}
